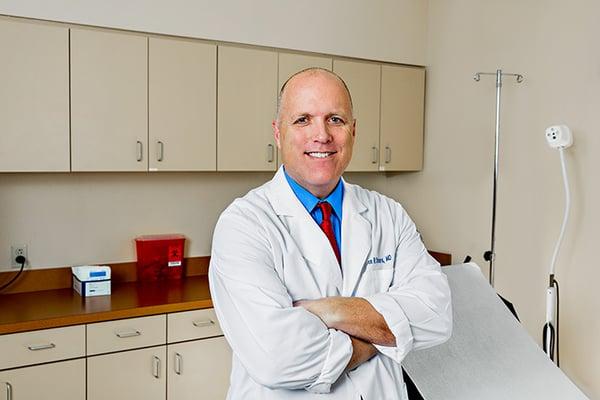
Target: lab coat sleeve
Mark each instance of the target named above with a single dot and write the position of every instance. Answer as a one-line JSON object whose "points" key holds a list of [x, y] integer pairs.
{"points": [[279, 345], [417, 307]]}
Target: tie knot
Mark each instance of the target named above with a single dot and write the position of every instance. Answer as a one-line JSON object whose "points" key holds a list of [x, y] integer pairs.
{"points": [[325, 209]]}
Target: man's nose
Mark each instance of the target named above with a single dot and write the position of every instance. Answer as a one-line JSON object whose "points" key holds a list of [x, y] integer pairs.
{"points": [[321, 133]]}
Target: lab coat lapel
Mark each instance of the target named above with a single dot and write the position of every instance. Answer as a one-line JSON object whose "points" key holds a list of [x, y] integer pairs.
{"points": [[305, 232], [356, 239]]}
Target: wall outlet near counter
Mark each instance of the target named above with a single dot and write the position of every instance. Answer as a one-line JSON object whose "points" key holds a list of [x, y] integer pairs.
{"points": [[16, 251]]}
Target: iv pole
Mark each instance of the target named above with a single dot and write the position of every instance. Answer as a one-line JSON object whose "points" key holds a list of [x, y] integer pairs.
{"points": [[490, 255]]}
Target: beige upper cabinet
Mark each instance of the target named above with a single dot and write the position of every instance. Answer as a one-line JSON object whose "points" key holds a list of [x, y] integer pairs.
{"points": [[182, 95], [109, 112], [290, 63], [34, 97], [247, 97], [363, 80], [402, 109]]}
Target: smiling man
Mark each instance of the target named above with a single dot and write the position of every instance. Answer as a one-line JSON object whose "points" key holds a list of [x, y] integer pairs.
{"points": [[322, 287]]}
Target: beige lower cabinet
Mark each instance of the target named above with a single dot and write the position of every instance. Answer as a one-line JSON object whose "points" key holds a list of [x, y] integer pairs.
{"points": [[63, 380], [128, 375], [199, 369]]}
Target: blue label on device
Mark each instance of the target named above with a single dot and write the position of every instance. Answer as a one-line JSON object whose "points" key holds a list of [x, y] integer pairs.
{"points": [[97, 273]]}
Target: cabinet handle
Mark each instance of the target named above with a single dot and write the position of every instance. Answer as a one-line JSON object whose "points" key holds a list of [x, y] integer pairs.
{"points": [[140, 149], [388, 154], [156, 367], [8, 391], [178, 363], [375, 155], [270, 153], [161, 151], [127, 334], [203, 323], [36, 347]]}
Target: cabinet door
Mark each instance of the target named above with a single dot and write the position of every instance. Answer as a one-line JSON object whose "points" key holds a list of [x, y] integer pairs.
{"points": [[34, 99], [402, 112], [290, 63], [63, 380], [128, 375], [364, 81], [247, 97], [109, 113], [199, 369], [182, 76]]}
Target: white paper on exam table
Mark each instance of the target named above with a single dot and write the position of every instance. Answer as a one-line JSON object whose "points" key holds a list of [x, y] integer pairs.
{"points": [[489, 356]]}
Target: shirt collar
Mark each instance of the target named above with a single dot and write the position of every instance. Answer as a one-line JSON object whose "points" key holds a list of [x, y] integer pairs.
{"points": [[309, 200]]}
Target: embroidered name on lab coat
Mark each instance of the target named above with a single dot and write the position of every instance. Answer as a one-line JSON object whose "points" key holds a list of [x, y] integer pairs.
{"points": [[379, 260]]}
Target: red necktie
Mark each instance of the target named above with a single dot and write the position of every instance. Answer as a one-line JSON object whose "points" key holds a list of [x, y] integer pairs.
{"points": [[327, 228]]}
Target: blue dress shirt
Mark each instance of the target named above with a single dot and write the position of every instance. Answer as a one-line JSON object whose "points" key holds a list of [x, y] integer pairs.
{"points": [[309, 201]]}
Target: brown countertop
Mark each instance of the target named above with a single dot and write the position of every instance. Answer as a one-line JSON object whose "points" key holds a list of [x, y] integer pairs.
{"points": [[44, 298], [62, 307]]}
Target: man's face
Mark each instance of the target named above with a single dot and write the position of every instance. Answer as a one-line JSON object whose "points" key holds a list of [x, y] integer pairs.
{"points": [[315, 131]]}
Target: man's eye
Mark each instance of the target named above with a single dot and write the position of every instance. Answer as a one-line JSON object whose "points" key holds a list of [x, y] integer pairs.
{"points": [[301, 120], [336, 120]]}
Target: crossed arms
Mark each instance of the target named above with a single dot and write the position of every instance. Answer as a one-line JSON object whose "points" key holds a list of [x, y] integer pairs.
{"points": [[357, 317]]}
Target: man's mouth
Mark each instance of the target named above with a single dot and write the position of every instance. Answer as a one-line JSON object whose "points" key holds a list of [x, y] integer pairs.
{"points": [[320, 154]]}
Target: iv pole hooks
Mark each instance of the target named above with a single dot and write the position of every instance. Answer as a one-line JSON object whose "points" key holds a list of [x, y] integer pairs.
{"points": [[490, 255]]}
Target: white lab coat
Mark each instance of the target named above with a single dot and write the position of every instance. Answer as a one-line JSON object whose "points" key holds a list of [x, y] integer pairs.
{"points": [[268, 252]]}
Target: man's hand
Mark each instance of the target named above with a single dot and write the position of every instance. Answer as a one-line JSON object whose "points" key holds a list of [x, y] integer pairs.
{"points": [[353, 315]]}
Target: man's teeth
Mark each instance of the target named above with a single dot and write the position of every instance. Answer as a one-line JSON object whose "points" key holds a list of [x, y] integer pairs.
{"points": [[319, 154]]}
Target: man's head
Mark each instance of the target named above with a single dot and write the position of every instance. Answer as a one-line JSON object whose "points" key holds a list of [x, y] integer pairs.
{"points": [[315, 129]]}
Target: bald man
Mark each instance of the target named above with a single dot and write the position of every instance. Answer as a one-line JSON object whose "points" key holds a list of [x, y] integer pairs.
{"points": [[322, 287]]}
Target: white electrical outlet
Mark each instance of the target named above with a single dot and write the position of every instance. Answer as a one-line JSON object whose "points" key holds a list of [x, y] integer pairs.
{"points": [[559, 136], [16, 251]]}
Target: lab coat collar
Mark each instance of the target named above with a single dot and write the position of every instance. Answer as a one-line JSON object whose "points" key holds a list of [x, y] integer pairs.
{"points": [[356, 231]]}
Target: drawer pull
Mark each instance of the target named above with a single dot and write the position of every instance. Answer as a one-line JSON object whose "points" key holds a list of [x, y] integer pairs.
{"points": [[140, 151], [36, 347], [156, 367], [270, 153], [388, 154], [178, 363], [203, 323], [375, 155], [8, 391], [127, 334], [161, 151]]}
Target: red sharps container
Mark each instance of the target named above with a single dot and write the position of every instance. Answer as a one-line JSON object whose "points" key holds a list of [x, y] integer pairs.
{"points": [[159, 257]]}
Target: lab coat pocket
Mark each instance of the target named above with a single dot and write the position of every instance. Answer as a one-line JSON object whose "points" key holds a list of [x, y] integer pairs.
{"points": [[375, 281]]}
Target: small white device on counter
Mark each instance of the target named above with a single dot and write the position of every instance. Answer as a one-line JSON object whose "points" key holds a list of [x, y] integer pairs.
{"points": [[91, 280]]}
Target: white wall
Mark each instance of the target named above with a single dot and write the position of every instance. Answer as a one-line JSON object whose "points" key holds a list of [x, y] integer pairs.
{"points": [[555, 45], [386, 30]]}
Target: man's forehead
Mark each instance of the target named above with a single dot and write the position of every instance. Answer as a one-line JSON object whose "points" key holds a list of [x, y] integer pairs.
{"points": [[316, 82]]}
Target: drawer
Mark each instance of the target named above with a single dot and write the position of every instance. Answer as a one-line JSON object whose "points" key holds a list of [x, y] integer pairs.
{"points": [[189, 325], [125, 334], [27, 348]]}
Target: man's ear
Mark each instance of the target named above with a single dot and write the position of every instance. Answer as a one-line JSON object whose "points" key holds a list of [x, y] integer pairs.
{"points": [[276, 134]]}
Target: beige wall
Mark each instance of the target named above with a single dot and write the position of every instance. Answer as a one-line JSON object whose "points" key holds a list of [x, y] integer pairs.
{"points": [[386, 30], [555, 45], [79, 218]]}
